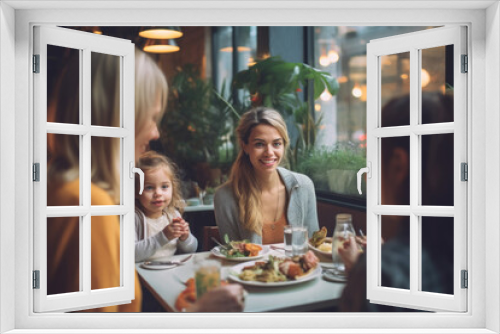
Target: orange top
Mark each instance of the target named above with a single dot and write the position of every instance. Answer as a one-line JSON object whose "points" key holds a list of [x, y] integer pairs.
{"points": [[63, 247], [273, 233]]}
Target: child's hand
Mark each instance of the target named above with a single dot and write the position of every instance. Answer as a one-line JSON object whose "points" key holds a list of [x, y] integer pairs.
{"points": [[183, 227], [173, 230]]}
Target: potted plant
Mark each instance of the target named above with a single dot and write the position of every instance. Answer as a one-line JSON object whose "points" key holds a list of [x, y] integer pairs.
{"points": [[192, 128], [275, 83], [335, 169]]}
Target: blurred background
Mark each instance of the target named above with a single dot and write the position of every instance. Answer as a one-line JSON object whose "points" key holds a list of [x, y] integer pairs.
{"points": [[314, 76]]}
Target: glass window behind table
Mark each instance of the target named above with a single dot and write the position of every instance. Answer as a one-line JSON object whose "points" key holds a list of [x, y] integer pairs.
{"points": [[340, 149], [230, 60]]}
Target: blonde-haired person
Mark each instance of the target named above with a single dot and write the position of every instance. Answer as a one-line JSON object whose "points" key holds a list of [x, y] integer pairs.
{"points": [[260, 197], [63, 179], [160, 230], [63, 170]]}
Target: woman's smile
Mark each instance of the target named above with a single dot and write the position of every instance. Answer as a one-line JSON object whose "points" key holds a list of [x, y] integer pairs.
{"points": [[265, 148], [268, 162]]}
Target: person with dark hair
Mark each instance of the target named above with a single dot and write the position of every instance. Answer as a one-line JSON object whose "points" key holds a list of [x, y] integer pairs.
{"points": [[437, 190]]}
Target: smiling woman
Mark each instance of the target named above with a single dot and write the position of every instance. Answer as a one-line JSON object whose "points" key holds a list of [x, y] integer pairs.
{"points": [[260, 198]]}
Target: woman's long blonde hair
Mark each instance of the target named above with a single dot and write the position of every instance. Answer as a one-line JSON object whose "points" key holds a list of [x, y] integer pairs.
{"points": [[152, 160], [63, 153], [242, 178]]}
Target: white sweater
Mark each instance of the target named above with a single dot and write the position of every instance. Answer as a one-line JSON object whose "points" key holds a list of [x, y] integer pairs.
{"points": [[157, 245]]}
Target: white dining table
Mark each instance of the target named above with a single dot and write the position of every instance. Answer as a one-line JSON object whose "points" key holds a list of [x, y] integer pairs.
{"points": [[314, 295]]}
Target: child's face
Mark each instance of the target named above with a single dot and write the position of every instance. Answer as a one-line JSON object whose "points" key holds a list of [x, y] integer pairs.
{"points": [[157, 192]]}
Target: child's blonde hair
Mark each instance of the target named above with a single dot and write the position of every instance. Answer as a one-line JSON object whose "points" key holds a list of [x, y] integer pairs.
{"points": [[152, 160]]}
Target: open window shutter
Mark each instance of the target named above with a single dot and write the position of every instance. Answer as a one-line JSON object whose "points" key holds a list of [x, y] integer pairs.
{"points": [[84, 215], [409, 51]]}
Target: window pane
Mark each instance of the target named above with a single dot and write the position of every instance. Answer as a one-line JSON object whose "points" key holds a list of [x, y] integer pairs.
{"points": [[105, 241], [395, 81], [341, 52], [395, 171], [63, 161], [106, 85], [63, 255], [437, 170], [437, 254], [223, 63], [396, 252], [63, 85], [106, 168], [247, 46], [437, 83]]}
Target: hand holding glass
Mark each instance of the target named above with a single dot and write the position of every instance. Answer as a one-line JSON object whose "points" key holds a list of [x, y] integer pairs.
{"points": [[343, 231], [207, 276]]}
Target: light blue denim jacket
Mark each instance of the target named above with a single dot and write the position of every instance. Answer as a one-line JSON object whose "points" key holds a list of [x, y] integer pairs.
{"points": [[301, 207]]}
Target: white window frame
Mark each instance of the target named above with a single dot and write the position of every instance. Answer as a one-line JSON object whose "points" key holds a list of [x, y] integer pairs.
{"points": [[414, 44], [483, 21], [85, 43]]}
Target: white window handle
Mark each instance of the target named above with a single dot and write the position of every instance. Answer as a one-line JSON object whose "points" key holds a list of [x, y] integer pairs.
{"points": [[367, 170], [141, 176]]}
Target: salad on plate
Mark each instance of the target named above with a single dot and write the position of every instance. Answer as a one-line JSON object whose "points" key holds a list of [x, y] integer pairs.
{"points": [[239, 249]]}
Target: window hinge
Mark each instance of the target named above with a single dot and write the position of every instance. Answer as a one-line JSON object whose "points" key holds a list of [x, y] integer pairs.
{"points": [[464, 171], [465, 64], [36, 63], [465, 279], [36, 172], [36, 279]]}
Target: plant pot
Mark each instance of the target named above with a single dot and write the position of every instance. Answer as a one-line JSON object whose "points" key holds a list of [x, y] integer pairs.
{"points": [[343, 181]]}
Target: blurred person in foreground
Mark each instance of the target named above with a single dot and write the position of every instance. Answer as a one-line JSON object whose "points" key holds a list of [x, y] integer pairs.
{"points": [[437, 187], [63, 179]]}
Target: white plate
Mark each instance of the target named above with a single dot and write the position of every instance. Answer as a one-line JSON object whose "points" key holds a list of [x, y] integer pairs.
{"points": [[158, 266], [216, 252], [320, 251], [237, 269], [329, 275]]}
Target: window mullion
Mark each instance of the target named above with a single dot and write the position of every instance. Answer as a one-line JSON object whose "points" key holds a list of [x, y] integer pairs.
{"points": [[414, 168], [86, 170]]}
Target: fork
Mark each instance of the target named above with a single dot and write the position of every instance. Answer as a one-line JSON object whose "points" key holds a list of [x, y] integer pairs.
{"points": [[149, 263], [218, 243]]}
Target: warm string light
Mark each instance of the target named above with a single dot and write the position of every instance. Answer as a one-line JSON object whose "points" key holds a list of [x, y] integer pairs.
{"points": [[329, 57], [325, 96], [356, 91]]}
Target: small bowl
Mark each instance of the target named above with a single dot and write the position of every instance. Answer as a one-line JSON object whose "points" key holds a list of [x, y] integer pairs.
{"points": [[320, 252], [193, 202]]}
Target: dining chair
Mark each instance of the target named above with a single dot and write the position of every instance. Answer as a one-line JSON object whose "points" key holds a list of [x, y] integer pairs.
{"points": [[208, 233]]}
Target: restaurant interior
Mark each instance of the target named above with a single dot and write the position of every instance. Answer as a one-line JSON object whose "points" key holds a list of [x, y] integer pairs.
{"points": [[208, 90]]}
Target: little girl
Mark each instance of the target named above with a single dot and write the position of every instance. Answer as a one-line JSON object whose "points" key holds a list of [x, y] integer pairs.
{"points": [[159, 227]]}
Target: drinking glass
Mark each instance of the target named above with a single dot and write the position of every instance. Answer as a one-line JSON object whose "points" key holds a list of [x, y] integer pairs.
{"points": [[288, 240], [296, 242], [206, 276], [299, 240], [343, 231]]}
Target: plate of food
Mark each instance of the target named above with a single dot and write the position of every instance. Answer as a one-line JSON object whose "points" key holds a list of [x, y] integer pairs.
{"points": [[320, 243], [277, 271], [188, 296], [239, 250]]}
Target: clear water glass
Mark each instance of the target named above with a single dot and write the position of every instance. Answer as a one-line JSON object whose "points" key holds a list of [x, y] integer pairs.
{"points": [[296, 242], [288, 240], [343, 231]]}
